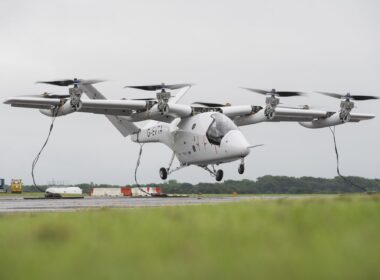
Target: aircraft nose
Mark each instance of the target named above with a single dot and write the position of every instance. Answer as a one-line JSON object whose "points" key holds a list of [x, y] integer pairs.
{"points": [[235, 143]]}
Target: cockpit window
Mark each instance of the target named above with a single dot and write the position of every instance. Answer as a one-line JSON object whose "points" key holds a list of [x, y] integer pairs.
{"points": [[219, 127]]}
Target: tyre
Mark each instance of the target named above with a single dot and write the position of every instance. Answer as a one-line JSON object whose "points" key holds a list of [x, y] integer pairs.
{"points": [[219, 175], [163, 173], [241, 169]]}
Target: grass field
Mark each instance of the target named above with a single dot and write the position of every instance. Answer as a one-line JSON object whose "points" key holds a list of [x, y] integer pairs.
{"points": [[21, 194], [319, 238]]}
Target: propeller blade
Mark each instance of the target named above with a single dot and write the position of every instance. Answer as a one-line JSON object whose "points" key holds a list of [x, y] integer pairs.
{"points": [[289, 93], [273, 91], [92, 81], [349, 96], [55, 96], [363, 97], [260, 91], [178, 86], [334, 95], [62, 83], [48, 95], [65, 83], [208, 104], [304, 107], [159, 87], [144, 99]]}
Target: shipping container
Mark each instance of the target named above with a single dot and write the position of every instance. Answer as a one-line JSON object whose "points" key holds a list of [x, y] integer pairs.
{"points": [[145, 191], [125, 191], [106, 192]]}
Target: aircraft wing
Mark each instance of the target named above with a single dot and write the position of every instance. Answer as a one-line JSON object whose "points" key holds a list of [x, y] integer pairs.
{"points": [[131, 110], [32, 102], [124, 113], [94, 106], [356, 117], [246, 115]]}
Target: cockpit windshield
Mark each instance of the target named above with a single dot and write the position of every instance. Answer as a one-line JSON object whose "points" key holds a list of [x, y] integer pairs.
{"points": [[219, 127]]}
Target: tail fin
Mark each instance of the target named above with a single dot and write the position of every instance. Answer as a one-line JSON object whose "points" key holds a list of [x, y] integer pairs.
{"points": [[125, 127]]}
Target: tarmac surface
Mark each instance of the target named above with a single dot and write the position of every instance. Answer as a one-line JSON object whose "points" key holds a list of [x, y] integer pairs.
{"points": [[10, 204]]}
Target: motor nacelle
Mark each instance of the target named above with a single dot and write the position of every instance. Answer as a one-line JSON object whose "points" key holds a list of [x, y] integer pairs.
{"points": [[335, 119], [58, 111], [271, 103], [163, 99], [67, 106]]}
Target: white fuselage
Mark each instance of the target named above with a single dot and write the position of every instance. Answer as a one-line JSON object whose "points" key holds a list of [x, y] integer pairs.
{"points": [[206, 138]]}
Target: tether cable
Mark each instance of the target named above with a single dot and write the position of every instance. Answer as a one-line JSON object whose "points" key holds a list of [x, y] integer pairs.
{"points": [[136, 168], [337, 164], [55, 112]]}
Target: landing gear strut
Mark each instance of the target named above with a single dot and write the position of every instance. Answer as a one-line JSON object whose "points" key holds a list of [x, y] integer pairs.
{"points": [[218, 174], [164, 172]]}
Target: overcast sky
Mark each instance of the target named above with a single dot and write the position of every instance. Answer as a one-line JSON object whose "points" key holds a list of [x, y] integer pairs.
{"points": [[219, 46]]}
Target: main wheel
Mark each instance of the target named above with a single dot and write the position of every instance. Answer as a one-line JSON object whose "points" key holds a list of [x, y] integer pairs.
{"points": [[219, 175], [241, 169], [163, 173]]}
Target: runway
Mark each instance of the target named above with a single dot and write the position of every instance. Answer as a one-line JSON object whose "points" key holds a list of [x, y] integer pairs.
{"points": [[19, 204]]}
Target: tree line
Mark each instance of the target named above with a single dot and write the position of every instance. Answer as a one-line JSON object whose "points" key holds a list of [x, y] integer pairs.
{"points": [[263, 185], [278, 185]]}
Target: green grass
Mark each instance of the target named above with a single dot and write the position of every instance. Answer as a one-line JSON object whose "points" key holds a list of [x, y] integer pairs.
{"points": [[33, 194], [319, 238], [24, 194]]}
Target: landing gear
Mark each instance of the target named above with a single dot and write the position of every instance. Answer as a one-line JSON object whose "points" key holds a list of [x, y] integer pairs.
{"points": [[219, 175], [163, 173], [241, 168]]}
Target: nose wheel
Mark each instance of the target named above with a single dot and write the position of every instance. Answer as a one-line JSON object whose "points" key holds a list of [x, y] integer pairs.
{"points": [[241, 168]]}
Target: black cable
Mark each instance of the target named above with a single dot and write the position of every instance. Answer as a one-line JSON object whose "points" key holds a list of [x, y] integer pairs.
{"points": [[337, 164], [55, 112], [137, 166]]}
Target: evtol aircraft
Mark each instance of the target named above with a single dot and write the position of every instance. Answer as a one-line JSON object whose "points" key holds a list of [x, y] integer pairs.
{"points": [[202, 134]]}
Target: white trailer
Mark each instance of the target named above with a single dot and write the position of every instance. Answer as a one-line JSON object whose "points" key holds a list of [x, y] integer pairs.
{"points": [[59, 191], [106, 192]]}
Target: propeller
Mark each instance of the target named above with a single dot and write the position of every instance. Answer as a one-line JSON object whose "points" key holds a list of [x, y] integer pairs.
{"points": [[274, 92], [75, 82], [305, 107], [49, 95], [159, 87], [144, 99], [212, 105], [348, 96]]}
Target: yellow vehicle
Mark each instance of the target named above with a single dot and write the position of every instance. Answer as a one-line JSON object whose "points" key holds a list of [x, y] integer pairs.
{"points": [[16, 186]]}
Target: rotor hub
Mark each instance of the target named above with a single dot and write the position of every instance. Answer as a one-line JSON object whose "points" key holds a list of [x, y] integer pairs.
{"points": [[163, 99], [345, 109], [75, 96], [271, 102]]}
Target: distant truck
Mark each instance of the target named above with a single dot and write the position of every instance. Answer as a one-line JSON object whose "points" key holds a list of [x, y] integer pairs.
{"points": [[2, 185], [16, 186]]}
